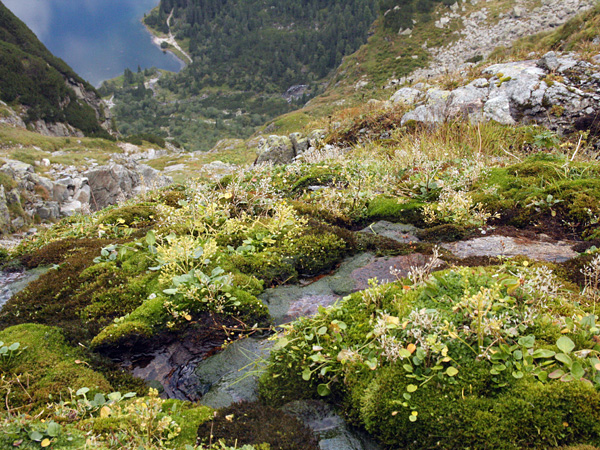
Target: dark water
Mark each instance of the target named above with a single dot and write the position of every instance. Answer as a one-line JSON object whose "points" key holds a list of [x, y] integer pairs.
{"points": [[97, 38]]}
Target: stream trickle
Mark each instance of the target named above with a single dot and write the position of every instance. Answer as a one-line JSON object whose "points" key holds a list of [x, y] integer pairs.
{"points": [[13, 282], [220, 378]]}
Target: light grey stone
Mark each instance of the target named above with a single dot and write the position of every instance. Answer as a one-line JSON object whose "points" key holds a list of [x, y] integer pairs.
{"points": [[498, 109], [406, 96], [276, 150]]}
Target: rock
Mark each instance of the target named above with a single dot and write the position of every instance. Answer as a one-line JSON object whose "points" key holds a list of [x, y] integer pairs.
{"points": [[83, 195], [48, 211], [329, 428], [399, 232], [18, 223], [230, 376], [554, 251], [498, 109], [5, 222], [552, 63], [433, 111], [381, 269], [480, 83], [114, 182], [56, 129], [361, 84], [406, 96], [480, 36], [300, 143], [467, 102], [276, 150], [518, 12], [174, 168], [70, 208], [406, 32]]}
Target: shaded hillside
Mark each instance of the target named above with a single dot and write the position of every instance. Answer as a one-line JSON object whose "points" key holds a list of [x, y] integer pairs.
{"points": [[48, 89], [252, 61]]}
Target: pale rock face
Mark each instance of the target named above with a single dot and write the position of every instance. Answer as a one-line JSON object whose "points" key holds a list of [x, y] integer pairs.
{"points": [[405, 96], [498, 109], [4, 213], [554, 91], [284, 149]]}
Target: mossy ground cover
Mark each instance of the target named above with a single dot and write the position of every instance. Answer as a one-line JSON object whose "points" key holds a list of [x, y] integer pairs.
{"points": [[167, 263], [502, 357]]}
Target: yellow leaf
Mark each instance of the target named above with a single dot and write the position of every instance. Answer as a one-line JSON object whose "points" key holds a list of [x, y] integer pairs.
{"points": [[227, 196], [46, 442], [411, 348], [188, 317], [104, 412]]}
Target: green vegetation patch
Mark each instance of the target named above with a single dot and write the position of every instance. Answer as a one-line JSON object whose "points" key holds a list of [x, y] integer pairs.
{"points": [[43, 367], [544, 187], [497, 357]]}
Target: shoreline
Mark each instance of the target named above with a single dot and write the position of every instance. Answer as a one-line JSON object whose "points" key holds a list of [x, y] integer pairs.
{"points": [[173, 48]]}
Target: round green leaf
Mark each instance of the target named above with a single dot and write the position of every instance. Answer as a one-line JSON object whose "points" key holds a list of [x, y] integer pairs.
{"points": [[36, 436], [323, 390], [411, 388], [451, 371], [565, 344], [82, 391]]}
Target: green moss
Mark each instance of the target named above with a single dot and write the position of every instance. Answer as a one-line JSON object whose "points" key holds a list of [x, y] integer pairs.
{"points": [[189, 417], [141, 214], [443, 233], [541, 188], [405, 400], [271, 268], [46, 366], [390, 209], [315, 253], [143, 322]]}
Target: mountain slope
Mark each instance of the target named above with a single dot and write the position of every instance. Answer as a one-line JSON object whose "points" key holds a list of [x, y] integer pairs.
{"points": [[43, 87], [252, 61]]}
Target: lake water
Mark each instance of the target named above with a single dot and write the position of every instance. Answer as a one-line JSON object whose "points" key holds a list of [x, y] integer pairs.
{"points": [[97, 38]]}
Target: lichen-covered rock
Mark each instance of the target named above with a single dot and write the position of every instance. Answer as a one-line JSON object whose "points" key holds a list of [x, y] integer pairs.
{"points": [[557, 91], [114, 182], [405, 96]]}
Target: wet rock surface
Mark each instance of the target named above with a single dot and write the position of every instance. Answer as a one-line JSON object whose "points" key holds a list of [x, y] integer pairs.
{"points": [[381, 269], [508, 246], [232, 375], [331, 430], [13, 282], [399, 232]]}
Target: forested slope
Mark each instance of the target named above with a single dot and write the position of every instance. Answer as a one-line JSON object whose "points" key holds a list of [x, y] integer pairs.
{"points": [[42, 83]]}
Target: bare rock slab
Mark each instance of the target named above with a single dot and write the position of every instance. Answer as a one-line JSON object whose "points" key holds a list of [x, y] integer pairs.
{"points": [[553, 251]]}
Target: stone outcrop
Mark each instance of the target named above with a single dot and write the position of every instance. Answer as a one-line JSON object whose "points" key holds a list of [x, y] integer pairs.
{"points": [[481, 31], [42, 198], [116, 182], [558, 92], [284, 149]]}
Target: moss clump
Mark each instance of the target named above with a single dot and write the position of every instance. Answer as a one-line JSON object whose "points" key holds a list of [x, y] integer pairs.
{"points": [[406, 362], [390, 209], [45, 365], [140, 324], [253, 423], [543, 188], [138, 215], [81, 296]]}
